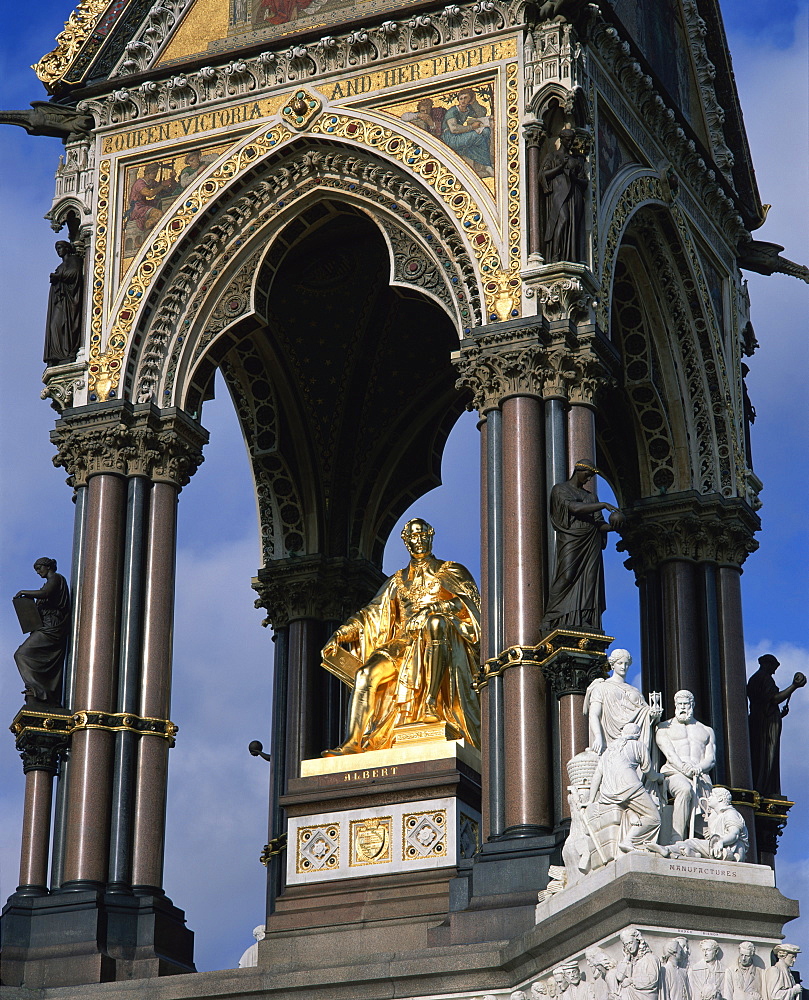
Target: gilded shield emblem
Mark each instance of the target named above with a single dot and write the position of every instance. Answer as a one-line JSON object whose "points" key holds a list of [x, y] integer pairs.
{"points": [[370, 841]]}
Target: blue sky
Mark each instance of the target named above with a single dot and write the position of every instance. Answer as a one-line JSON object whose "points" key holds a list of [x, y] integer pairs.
{"points": [[223, 659]]}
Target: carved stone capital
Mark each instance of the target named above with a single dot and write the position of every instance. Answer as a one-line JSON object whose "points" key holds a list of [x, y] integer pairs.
{"points": [[688, 526], [569, 672], [129, 440], [328, 589], [41, 751]]}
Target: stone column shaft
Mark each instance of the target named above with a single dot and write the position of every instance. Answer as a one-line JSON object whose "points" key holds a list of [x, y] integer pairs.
{"points": [[126, 742], [155, 688], [492, 734], [556, 460], [682, 633], [306, 689], [87, 833], [528, 797], [76, 566], [36, 830], [581, 439], [278, 768]]}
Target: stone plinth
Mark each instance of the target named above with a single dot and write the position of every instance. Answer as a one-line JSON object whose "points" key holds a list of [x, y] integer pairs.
{"points": [[374, 840]]}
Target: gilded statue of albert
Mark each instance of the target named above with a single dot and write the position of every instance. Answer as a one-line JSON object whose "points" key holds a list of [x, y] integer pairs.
{"points": [[415, 648]]}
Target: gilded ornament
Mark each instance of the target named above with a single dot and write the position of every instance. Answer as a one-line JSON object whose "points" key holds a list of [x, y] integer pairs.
{"points": [[53, 66]]}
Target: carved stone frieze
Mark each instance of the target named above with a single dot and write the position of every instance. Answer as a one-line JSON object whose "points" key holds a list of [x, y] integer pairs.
{"points": [[129, 440], [295, 64], [328, 589], [688, 526]]}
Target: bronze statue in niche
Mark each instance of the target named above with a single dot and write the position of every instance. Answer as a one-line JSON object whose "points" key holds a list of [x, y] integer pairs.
{"points": [[563, 176], [412, 652], [63, 325]]}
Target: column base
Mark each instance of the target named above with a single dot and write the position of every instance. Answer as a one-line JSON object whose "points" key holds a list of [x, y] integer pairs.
{"points": [[85, 936]]}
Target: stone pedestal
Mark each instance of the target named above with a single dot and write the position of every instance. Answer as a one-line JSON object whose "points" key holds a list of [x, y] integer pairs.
{"points": [[373, 842]]}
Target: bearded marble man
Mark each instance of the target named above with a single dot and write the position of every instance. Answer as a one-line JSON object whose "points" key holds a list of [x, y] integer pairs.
{"points": [[417, 645]]}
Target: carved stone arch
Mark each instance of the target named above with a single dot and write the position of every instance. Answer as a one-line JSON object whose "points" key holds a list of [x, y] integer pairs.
{"points": [[241, 219], [693, 399], [554, 101], [216, 308]]}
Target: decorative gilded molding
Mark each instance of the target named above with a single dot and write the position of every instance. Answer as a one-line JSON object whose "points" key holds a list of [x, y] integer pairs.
{"points": [[147, 43], [129, 440], [688, 526], [115, 722], [53, 66], [328, 589]]}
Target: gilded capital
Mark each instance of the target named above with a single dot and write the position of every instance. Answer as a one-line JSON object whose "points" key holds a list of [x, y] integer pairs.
{"points": [[328, 589], [129, 440]]}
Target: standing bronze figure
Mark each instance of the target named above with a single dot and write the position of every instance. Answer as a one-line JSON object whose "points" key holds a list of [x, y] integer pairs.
{"points": [[765, 724], [564, 181], [576, 599], [63, 325], [41, 657]]}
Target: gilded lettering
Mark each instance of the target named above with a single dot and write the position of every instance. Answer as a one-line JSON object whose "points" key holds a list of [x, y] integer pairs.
{"points": [[337, 91]]}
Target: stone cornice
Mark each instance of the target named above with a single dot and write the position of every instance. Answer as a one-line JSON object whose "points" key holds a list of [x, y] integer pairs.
{"points": [[688, 526], [325, 588], [126, 440]]}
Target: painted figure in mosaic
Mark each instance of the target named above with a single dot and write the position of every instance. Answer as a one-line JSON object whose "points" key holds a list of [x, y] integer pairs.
{"points": [[63, 325], [146, 194], [427, 116], [610, 704], [708, 975], [41, 657], [765, 724], [779, 983], [690, 751], [638, 973], [617, 782], [745, 981], [675, 970], [416, 646], [576, 598], [564, 180], [467, 130]]}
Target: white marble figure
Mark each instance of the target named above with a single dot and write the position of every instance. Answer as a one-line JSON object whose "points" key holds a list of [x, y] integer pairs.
{"points": [[726, 837], [639, 971], [612, 703], [779, 983], [708, 975], [617, 782], [602, 983], [518, 995], [745, 980], [576, 989], [538, 990], [675, 970], [561, 983], [249, 959], [690, 751]]}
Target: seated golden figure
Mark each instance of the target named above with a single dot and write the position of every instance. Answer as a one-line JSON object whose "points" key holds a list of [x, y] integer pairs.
{"points": [[412, 652]]}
